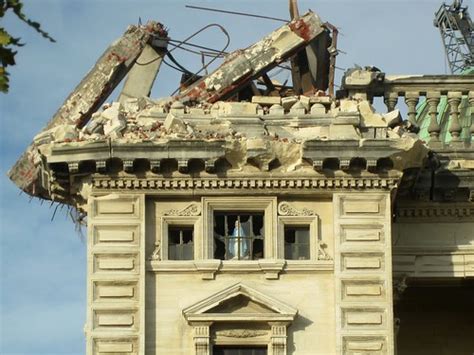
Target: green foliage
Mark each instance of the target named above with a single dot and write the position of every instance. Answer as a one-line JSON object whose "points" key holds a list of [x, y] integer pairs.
{"points": [[8, 42]]}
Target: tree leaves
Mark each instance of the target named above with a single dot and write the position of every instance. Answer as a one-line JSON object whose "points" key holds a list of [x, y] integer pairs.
{"points": [[7, 41]]}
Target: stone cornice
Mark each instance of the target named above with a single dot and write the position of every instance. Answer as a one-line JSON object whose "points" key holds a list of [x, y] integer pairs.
{"points": [[438, 212], [249, 184]]}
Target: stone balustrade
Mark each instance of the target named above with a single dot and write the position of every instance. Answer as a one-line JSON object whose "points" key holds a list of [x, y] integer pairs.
{"points": [[452, 90]]}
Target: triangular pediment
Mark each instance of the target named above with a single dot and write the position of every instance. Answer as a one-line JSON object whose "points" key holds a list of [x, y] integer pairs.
{"points": [[239, 302]]}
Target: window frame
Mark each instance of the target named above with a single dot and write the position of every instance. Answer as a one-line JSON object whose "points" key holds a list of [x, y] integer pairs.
{"points": [[177, 221], [267, 205], [297, 244], [248, 240], [299, 221]]}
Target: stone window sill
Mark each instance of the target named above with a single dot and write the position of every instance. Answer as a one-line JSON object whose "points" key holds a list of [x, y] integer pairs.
{"points": [[271, 268]]}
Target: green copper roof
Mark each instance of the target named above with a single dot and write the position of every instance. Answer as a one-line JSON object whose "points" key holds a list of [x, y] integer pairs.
{"points": [[423, 118]]}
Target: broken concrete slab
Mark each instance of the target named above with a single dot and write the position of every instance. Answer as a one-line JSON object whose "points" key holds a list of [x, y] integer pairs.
{"points": [[142, 75], [238, 108], [369, 118], [175, 124], [346, 105], [66, 133], [113, 111], [266, 100], [393, 118]]}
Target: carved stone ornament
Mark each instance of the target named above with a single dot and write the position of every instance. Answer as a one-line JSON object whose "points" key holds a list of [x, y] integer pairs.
{"points": [[241, 333], [156, 253], [285, 209], [193, 209], [322, 254]]}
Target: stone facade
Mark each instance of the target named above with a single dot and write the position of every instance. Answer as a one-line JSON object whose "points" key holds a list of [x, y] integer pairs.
{"points": [[287, 224]]}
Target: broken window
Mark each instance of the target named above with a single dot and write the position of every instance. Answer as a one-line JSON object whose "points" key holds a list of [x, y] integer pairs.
{"points": [[238, 235], [297, 243], [180, 243]]}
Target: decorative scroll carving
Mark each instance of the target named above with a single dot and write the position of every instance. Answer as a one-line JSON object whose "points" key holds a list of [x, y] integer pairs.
{"points": [[156, 255], [193, 209], [241, 333], [322, 254], [285, 209]]}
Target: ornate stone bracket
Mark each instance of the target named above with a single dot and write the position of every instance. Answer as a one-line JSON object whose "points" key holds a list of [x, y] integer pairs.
{"points": [[322, 254], [156, 255]]}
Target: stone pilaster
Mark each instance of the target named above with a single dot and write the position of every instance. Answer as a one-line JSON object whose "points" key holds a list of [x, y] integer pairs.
{"points": [[201, 335], [116, 275], [278, 338], [363, 272]]}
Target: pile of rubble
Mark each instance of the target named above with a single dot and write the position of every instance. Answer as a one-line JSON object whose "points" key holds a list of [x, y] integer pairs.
{"points": [[237, 102]]}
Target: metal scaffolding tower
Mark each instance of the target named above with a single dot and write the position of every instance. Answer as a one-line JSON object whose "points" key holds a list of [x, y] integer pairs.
{"points": [[457, 34]]}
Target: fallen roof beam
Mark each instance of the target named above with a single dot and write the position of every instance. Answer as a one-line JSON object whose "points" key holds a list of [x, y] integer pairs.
{"points": [[141, 77], [89, 95], [242, 66]]}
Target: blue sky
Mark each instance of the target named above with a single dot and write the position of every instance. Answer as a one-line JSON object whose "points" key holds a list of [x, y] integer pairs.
{"points": [[43, 262]]}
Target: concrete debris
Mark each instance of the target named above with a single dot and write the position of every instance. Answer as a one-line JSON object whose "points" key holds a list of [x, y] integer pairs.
{"points": [[238, 108], [411, 152], [115, 121], [95, 125], [266, 100], [288, 102], [305, 101], [298, 109], [393, 118], [362, 76], [346, 105], [62, 133], [66, 133], [276, 110], [177, 108], [114, 111], [318, 109], [175, 124], [369, 118]]}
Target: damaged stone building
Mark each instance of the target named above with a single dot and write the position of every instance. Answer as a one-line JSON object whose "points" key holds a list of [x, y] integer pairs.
{"points": [[245, 216]]}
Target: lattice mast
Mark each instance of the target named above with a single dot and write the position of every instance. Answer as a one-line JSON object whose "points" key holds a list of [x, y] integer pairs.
{"points": [[457, 34]]}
